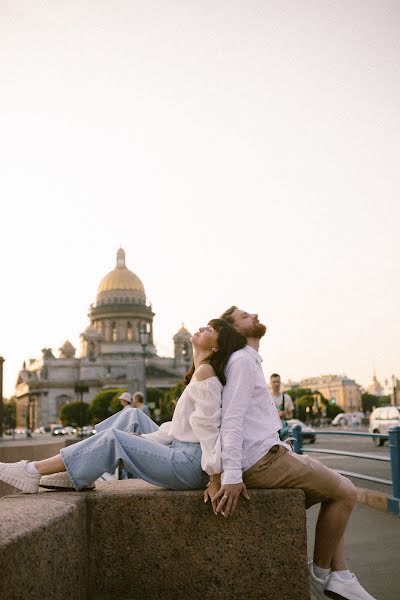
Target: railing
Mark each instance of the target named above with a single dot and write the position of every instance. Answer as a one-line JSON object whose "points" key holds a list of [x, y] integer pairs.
{"points": [[394, 459]]}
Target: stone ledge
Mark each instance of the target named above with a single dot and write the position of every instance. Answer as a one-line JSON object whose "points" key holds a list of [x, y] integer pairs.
{"points": [[132, 540]]}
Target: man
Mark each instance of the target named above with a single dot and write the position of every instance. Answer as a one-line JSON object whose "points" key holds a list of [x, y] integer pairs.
{"points": [[138, 402], [125, 400], [249, 435], [282, 401]]}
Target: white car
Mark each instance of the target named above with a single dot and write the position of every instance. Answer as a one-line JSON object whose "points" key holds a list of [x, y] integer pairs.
{"points": [[307, 432], [381, 419], [343, 419]]}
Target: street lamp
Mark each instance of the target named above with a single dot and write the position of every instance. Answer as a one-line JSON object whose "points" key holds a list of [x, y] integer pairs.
{"points": [[144, 335], [81, 388]]}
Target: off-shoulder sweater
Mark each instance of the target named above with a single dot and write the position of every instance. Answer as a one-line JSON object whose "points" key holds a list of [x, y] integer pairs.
{"points": [[197, 418]]}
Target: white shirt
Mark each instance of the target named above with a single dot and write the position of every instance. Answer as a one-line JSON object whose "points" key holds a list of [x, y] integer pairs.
{"points": [[278, 400], [250, 419], [197, 418]]}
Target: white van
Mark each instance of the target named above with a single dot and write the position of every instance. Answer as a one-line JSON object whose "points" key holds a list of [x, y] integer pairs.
{"points": [[381, 419]]}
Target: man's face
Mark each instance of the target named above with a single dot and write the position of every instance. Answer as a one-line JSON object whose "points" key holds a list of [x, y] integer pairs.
{"points": [[276, 385], [248, 324]]}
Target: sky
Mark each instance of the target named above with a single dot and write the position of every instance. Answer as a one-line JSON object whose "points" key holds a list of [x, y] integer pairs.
{"points": [[240, 152]]}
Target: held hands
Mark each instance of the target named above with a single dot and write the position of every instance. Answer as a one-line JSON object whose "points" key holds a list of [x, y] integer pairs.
{"points": [[225, 501]]}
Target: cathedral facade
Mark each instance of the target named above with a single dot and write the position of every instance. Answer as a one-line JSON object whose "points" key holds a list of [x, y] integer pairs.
{"points": [[117, 351]]}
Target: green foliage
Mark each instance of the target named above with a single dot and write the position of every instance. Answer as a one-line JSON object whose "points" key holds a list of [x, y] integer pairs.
{"points": [[9, 414], [169, 400], [154, 395], [102, 405], [312, 405], [370, 401], [75, 414]]}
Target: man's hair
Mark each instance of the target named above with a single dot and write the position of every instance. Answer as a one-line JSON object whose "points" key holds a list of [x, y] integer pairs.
{"points": [[138, 396], [227, 315], [275, 375]]}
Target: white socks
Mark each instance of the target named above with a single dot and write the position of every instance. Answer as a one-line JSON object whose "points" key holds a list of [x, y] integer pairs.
{"points": [[31, 469], [344, 574], [320, 573], [323, 573]]}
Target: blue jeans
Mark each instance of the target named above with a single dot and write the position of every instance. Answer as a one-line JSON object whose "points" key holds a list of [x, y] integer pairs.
{"points": [[176, 467]]}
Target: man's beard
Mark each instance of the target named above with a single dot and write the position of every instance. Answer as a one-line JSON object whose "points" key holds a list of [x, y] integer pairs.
{"points": [[257, 330]]}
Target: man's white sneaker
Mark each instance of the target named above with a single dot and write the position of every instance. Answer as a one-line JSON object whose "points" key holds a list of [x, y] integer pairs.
{"points": [[317, 585], [15, 474], [345, 589], [61, 481]]}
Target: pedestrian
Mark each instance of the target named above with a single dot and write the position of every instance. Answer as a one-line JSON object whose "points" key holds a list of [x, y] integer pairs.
{"points": [[253, 456], [138, 402], [125, 400], [283, 403]]}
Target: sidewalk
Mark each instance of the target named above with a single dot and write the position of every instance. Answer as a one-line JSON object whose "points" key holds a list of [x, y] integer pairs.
{"points": [[372, 548]]}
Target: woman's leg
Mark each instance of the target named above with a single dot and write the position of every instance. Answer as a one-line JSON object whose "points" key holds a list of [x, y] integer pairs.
{"points": [[128, 419], [48, 466], [172, 467]]}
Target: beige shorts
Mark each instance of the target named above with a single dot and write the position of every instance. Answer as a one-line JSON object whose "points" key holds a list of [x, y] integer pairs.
{"points": [[281, 468]]}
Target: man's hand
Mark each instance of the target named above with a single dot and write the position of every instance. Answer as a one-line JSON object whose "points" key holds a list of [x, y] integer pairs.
{"points": [[227, 498]]}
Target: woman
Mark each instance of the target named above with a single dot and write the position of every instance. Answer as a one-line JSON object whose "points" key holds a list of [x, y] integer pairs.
{"points": [[182, 454]]}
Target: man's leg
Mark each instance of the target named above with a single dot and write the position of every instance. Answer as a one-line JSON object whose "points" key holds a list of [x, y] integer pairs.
{"points": [[332, 520]]}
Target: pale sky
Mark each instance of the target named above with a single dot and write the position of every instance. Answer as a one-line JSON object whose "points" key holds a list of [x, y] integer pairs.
{"points": [[240, 152]]}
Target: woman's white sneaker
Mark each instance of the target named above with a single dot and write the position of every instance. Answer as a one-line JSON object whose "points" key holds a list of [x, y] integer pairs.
{"points": [[345, 589], [15, 474], [61, 481]]}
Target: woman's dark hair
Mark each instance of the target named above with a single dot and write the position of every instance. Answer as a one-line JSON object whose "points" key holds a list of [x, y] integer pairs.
{"points": [[229, 340]]}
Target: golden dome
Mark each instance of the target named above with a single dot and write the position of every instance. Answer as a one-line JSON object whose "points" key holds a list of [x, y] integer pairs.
{"points": [[121, 278]]}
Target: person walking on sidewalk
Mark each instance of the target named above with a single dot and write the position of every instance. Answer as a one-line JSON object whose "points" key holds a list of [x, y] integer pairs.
{"points": [[253, 456]]}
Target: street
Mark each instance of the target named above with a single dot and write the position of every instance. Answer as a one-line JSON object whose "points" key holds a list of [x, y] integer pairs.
{"points": [[363, 466]]}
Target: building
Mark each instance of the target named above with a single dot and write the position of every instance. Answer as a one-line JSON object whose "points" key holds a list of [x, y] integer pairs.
{"points": [[375, 388], [112, 354], [346, 392]]}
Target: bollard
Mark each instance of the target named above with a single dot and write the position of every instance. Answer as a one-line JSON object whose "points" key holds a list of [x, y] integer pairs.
{"points": [[298, 439], [394, 445]]}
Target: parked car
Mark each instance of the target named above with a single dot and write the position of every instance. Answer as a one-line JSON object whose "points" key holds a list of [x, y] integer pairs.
{"points": [[345, 419], [57, 430], [307, 432], [68, 430], [88, 430], [381, 419]]}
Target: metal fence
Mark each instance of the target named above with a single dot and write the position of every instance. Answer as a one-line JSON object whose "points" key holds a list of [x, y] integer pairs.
{"points": [[394, 459]]}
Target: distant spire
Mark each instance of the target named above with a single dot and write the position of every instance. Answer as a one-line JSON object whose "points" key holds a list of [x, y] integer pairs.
{"points": [[120, 259]]}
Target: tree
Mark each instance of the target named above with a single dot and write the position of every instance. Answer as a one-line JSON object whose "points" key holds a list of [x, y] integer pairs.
{"points": [[9, 414], [101, 404], [75, 414], [168, 402], [370, 401]]}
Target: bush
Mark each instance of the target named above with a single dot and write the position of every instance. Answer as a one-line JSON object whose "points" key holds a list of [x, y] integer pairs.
{"points": [[75, 414]]}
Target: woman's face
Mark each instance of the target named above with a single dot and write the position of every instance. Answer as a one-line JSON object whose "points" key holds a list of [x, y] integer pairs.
{"points": [[206, 338]]}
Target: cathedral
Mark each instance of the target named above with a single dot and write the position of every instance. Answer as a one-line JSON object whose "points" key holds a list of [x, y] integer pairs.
{"points": [[117, 351]]}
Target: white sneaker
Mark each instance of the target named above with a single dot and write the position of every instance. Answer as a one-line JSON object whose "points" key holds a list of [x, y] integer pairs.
{"points": [[317, 585], [345, 589], [15, 474], [61, 481]]}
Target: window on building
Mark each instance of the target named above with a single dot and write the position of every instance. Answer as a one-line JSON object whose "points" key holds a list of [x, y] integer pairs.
{"points": [[114, 334], [129, 332]]}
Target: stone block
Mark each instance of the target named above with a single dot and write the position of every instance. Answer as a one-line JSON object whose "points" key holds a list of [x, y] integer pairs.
{"points": [[150, 543], [43, 547]]}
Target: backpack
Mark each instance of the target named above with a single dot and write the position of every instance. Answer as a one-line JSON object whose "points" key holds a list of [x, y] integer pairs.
{"points": [[284, 430]]}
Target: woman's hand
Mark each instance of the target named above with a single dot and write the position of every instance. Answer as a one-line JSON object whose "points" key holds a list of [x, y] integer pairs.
{"points": [[211, 490], [228, 496]]}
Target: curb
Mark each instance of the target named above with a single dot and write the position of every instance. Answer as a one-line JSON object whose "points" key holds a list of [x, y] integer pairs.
{"points": [[378, 500]]}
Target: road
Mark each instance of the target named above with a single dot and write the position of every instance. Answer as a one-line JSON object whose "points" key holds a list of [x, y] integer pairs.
{"points": [[346, 443]]}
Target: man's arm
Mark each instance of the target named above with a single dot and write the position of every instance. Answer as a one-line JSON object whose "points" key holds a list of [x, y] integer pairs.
{"points": [[236, 397]]}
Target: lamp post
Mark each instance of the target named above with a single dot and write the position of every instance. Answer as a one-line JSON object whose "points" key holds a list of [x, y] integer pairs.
{"points": [[1, 396], [144, 335], [81, 388]]}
